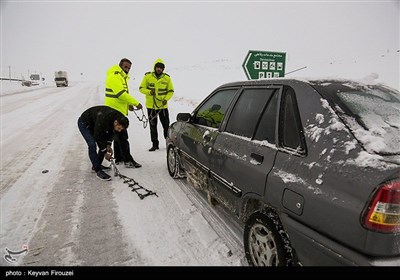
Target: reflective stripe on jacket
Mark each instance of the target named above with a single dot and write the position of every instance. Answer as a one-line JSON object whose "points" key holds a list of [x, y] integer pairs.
{"points": [[117, 92], [162, 86]]}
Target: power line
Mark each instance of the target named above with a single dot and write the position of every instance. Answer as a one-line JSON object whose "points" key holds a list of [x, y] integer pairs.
{"points": [[296, 70]]}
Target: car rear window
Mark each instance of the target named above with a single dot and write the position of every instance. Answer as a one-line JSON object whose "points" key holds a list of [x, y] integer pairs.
{"points": [[372, 113]]}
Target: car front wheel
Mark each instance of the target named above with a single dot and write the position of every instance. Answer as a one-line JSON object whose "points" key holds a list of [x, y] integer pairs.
{"points": [[265, 242], [172, 162]]}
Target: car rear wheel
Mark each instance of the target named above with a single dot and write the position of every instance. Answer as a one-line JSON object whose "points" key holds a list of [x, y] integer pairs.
{"points": [[265, 242]]}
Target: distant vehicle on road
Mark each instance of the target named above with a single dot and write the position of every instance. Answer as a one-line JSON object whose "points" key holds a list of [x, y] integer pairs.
{"points": [[311, 168], [34, 80], [61, 78]]}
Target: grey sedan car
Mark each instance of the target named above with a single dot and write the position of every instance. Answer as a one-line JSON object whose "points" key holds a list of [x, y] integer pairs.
{"points": [[311, 168]]}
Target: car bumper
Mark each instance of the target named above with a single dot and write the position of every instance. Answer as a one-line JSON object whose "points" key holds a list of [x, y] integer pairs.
{"points": [[314, 249]]}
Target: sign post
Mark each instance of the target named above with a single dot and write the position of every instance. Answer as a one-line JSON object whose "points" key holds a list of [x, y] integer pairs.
{"points": [[264, 64]]}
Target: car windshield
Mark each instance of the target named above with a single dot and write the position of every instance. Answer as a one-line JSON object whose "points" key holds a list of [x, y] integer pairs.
{"points": [[372, 112]]}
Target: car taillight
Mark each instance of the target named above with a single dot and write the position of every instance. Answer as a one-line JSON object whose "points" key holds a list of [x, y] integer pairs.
{"points": [[383, 213]]}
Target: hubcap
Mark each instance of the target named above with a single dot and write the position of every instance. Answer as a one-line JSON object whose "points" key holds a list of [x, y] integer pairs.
{"points": [[262, 246]]}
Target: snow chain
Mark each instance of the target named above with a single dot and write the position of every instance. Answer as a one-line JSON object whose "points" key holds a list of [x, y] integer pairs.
{"points": [[142, 119], [132, 183]]}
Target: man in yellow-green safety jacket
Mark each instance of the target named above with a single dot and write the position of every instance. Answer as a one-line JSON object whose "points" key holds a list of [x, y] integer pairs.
{"points": [[158, 89], [118, 98]]}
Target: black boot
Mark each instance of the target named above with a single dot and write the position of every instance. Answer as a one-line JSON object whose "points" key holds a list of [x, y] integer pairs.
{"points": [[132, 164]]}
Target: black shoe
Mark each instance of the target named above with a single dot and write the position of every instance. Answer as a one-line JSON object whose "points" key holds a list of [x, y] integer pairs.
{"points": [[152, 149], [102, 167], [132, 164], [103, 176], [118, 162]]}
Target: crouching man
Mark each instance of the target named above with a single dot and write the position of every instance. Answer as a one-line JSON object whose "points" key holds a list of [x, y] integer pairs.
{"points": [[97, 125]]}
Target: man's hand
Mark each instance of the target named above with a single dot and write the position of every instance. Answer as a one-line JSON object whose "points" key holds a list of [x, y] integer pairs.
{"points": [[152, 92], [108, 157], [109, 149], [139, 106], [164, 102], [130, 107]]}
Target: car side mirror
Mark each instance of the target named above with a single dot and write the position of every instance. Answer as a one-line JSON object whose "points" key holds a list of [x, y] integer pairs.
{"points": [[184, 117]]}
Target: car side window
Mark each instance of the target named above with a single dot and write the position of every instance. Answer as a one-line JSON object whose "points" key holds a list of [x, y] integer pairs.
{"points": [[247, 111], [266, 128], [212, 112], [290, 124]]}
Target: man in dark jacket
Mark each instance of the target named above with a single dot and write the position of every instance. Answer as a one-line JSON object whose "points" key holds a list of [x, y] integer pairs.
{"points": [[97, 125]]}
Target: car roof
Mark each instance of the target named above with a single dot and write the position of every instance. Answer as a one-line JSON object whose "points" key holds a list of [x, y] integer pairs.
{"points": [[329, 88], [263, 82], [333, 82]]}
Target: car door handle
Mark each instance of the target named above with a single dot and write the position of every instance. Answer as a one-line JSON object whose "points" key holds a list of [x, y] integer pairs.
{"points": [[258, 158], [207, 138]]}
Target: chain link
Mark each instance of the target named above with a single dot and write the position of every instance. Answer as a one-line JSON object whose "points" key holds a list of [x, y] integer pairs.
{"points": [[132, 183], [142, 119]]}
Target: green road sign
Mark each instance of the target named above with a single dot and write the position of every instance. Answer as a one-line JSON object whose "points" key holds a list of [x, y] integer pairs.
{"points": [[263, 64]]}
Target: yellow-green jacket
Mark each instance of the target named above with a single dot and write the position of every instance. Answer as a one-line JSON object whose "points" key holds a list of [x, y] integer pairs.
{"points": [[162, 86], [117, 92]]}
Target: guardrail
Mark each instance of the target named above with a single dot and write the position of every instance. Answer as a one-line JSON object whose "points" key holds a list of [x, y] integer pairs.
{"points": [[26, 83], [11, 79]]}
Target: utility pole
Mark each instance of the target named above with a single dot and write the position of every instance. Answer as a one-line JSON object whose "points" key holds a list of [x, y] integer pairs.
{"points": [[9, 72]]}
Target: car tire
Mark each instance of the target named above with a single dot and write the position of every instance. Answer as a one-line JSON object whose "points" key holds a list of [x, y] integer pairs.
{"points": [[265, 241], [172, 162]]}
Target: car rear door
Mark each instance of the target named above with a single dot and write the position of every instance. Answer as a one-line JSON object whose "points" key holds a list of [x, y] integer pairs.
{"points": [[244, 153]]}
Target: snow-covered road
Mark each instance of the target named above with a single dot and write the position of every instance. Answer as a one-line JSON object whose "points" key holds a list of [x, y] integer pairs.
{"points": [[67, 216]]}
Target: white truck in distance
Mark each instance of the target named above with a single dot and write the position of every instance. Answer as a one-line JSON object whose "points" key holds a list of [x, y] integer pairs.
{"points": [[61, 78]]}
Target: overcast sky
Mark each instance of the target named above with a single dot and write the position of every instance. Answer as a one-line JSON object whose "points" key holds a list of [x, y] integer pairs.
{"points": [[332, 38]]}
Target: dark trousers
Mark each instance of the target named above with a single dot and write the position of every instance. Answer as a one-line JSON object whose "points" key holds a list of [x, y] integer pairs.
{"points": [[95, 157], [122, 151], [164, 118]]}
